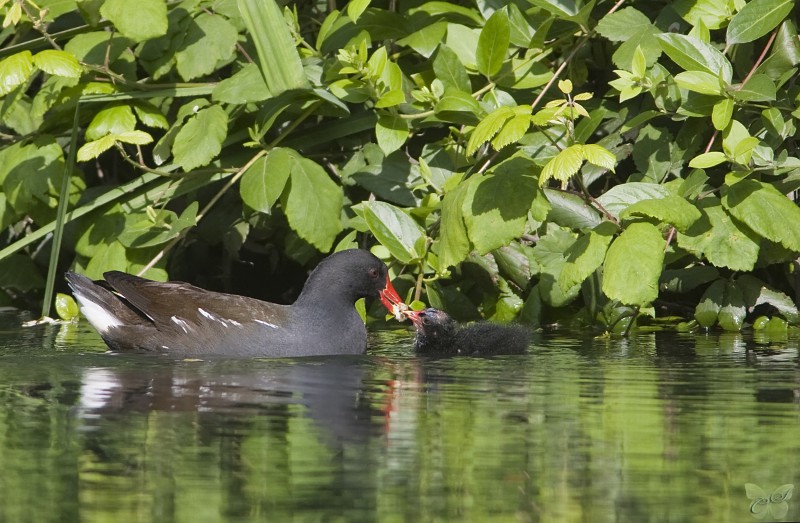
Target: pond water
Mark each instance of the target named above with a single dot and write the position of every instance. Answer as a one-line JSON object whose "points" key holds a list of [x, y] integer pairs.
{"points": [[657, 427]]}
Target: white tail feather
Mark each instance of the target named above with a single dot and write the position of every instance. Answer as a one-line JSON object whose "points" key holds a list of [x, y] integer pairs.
{"points": [[100, 318]]}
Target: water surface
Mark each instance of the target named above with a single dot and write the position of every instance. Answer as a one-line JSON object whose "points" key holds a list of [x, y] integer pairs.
{"points": [[657, 427]]}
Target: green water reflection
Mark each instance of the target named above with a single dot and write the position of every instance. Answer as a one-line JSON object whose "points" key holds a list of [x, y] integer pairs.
{"points": [[655, 428]]}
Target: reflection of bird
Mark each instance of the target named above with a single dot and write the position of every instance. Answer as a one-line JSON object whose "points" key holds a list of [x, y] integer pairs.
{"points": [[132, 313], [438, 333]]}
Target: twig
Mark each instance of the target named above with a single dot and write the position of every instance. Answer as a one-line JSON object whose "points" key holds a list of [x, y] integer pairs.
{"points": [[235, 178], [569, 58], [202, 213], [746, 78]]}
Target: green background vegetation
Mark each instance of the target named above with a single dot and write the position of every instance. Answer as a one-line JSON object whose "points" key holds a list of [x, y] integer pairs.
{"points": [[539, 160]]}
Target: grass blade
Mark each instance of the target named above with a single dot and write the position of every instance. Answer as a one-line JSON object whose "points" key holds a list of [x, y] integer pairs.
{"points": [[277, 56]]}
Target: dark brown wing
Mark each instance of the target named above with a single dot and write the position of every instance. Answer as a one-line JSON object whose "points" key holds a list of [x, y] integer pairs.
{"points": [[164, 301]]}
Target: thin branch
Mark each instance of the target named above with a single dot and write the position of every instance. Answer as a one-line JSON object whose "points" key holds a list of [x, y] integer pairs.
{"points": [[746, 78]]}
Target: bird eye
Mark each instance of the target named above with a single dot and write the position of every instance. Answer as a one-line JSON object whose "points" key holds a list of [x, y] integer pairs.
{"points": [[373, 273]]}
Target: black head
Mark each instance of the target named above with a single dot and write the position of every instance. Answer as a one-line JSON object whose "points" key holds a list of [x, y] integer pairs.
{"points": [[435, 329], [348, 275]]}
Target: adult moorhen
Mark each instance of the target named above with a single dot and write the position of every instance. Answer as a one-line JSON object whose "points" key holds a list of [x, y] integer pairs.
{"points": [[133, 313], [439, 334]]}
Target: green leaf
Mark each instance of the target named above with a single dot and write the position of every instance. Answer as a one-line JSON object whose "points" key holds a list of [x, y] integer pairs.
{"points": [[493, 44], [599, 156], [706, 160], [453, 241], [496, 205], [570, 210], [200, 139], [277, 55], [58, 63], [395, 230], [488, 127], [20, 272], [113, 119], [390, 99], [766, 211], [93, 149], [263, 182], [685, 280], [66, 308], [633, 265], [313, 204], [722, 113], [140, 20], [732, 313], [209, 40], [564, 165], [463, 41], [759, 88], [757, 18], [355, 8], [459, 107], [134, 137], [145, 230], [108, 257], [695, 55], [245, 86], [707, 311], [785, 53], [712, 14], [549, 252], [585, 255], [391, 132], [426, 40], [620, 197], [699, 82], [513, 131], [635, 31], [15, 71], [672, 209], [149, 115], [737, 143], [722, 241], [756, 292], [449, 69]]}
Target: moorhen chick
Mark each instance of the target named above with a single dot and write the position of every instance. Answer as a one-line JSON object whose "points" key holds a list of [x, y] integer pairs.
{"points": [[439, 334], [135, 314]]}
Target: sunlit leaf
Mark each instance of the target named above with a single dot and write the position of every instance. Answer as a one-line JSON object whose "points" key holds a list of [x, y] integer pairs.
{"points": [[15, 71], [200, 139], [264, 181], [672, 209], [585, 255], [493, 43], [395, 229], [707, 310], [757, 18], [766, 211], [633, 265], [721, 240], [140, 20], [59, 63], [313, 204]]}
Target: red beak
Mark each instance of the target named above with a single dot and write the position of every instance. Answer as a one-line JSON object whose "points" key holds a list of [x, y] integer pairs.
{"points": [[414, 316], [389, 297]]}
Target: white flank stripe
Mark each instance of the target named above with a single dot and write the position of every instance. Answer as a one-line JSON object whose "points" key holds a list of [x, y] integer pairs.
{"points": [[268, 324], [206, 314], [180, 323]]}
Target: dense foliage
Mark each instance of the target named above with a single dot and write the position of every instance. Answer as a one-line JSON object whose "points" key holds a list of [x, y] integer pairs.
{"points": [[512, 160]]}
